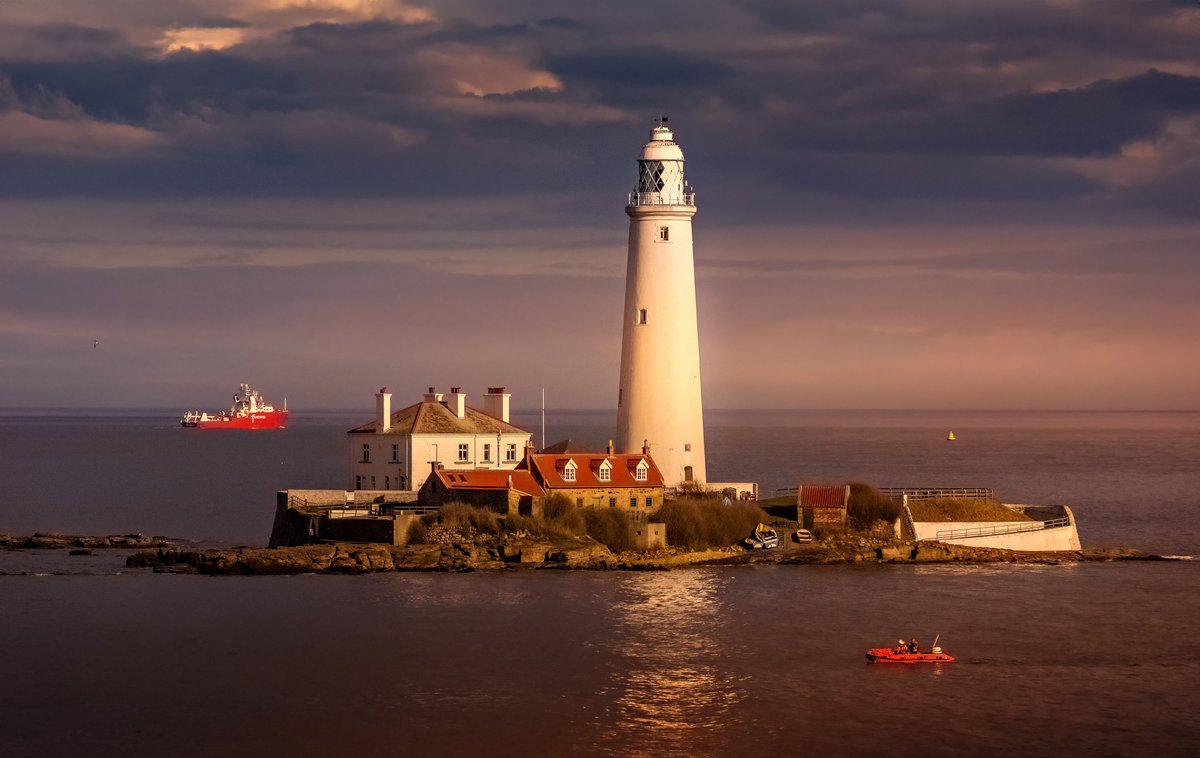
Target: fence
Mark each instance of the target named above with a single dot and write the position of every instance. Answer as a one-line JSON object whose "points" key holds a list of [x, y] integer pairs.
{"points": [[937, 493]]}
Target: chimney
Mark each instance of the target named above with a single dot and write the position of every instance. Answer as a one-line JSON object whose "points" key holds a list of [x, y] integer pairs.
{"points": [[610, 446], [383, 410], [495, 403], [458, 402], [645, 447], [433, 396]]}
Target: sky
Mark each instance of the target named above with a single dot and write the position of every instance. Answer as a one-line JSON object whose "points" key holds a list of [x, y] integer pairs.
{"points": [[917, 204]]}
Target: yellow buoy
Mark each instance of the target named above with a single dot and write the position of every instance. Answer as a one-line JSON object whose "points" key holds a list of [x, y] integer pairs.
{"points": [[950, 436]]}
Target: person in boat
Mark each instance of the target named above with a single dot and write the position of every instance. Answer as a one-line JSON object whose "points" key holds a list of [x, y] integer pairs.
{"points": [[901, 647], [913, 645]]}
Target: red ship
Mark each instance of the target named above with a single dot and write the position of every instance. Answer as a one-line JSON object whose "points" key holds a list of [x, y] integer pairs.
{"points": [[249, 411]]}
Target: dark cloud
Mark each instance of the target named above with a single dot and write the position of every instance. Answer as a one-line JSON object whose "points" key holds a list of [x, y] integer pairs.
{"points": [[854, 98], [69, 33], [641, 67], [1092, 120]]}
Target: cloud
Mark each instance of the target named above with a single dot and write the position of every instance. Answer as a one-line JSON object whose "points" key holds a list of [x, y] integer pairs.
{"points": [[46, 124]]}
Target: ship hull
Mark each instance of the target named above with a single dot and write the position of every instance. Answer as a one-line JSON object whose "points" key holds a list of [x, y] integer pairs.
{"points": [[257, 420]]}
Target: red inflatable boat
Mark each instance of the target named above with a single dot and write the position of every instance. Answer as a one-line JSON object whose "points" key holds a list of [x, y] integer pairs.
{"points": [[889, 655]]}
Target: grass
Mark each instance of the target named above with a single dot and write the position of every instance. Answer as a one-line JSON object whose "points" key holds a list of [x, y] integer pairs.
{"points": [[962, 509], [700, 523], [610, 527], [867, 505], [463, 517]]}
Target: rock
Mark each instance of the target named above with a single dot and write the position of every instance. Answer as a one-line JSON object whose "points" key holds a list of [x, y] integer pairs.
{"points": [[80, 551]]}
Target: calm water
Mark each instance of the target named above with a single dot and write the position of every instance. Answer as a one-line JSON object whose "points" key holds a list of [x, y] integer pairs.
{"points": [[1094, 659]]}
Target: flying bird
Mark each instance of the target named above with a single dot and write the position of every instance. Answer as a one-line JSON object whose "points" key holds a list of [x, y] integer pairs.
{"points": [[95, 343]]}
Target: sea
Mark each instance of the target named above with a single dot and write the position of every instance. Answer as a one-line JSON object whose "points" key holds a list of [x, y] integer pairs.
{"points": [[1095, 659]]}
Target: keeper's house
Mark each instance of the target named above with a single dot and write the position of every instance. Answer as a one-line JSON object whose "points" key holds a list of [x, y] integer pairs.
{"points": [[394, 451], [631, 482]]}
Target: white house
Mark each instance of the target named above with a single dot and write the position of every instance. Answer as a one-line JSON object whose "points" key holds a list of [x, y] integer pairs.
{"points": [[394, 451]]}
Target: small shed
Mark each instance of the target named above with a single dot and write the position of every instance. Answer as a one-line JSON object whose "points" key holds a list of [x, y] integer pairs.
{"points": [[823, 506]]}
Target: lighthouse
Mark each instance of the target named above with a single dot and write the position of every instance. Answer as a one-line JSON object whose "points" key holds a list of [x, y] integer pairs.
{"points": [[658, 402]]}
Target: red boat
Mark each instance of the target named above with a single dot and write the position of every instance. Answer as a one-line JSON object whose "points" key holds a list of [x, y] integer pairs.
{"points": [[899, 655], [249, 411]]}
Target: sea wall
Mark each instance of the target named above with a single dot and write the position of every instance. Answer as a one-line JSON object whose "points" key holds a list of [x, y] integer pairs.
{"points": [[992, 534]]}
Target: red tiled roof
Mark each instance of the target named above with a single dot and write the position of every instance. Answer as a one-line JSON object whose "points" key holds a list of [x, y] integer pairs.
{"points": [[436, 418], [821, 496], [548, 469], [490, 479]]}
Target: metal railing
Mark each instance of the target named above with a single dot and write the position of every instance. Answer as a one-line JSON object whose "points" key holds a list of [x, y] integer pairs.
{"points": [[937, 493], [658, 198], [994, 530]]}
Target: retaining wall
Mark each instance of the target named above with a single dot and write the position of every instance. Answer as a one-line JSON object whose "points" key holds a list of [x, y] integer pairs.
{"points": [[1053, 539]]}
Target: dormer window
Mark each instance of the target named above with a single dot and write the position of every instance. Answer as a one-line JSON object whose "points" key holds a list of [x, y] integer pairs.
{"points": [[568, 471], [604, 473], [640, 472]]}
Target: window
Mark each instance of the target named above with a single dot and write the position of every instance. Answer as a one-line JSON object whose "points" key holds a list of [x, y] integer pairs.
{"points": [[569, 474], [687, 447], [358, 482], [640, 316], [366, 453], [649, 502], [633, 502], [372, 482], [664, 234], [579, 502], [639, 473], [395, 453], [464, 452], [687, 473], [650, 176], [487, 453], [612, 502], [605, 473], [510, 452], [387, 482]]}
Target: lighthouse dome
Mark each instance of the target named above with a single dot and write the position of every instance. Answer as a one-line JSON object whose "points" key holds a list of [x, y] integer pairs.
{"points": [[662, 146]]}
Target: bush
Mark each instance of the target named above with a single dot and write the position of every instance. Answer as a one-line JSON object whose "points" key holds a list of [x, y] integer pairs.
{"points": [[563, 518], [699, 523], [867, 505], [533, 525], [610, 527], [460, 516], [416, 533]]}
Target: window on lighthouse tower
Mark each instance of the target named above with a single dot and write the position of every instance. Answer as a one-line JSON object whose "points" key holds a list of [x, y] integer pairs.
{"points": [[641, 316], [664, 234]]}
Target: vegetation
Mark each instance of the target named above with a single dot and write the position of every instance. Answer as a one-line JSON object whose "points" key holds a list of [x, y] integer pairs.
{"points": [[562, 517], [962, 509], [867, 505], [699, 523], [610, 527], [417, 535], [458, 515]]}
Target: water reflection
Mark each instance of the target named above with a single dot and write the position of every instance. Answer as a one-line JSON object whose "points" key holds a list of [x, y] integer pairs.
{"points": [[666, 687]]}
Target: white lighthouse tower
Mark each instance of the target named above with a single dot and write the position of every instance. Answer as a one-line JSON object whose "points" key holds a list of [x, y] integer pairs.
{"points": [[659, 398]]}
